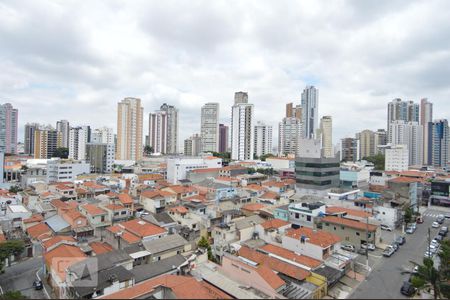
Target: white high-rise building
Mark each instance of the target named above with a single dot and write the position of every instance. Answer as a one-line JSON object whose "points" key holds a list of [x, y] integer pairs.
{"points": [[396, 157], [426, 120], [193, 145], [289, 135], [64, 127], [409, 134], [78, 138], [399, 110], [103, 135], [209, 129], [242, 140], [129, 129], [8, 128], [326, 130], [263, 139], [163, 130], [310, 111]]}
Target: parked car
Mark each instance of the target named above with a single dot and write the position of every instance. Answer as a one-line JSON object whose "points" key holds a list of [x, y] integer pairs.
{"points": [[388, 251], [400, 240], [444, 228], [348, 247], [361, 251], [416, 270], [385, 227], [38, 285], [442, 233], [428, 254], [435, 243], [369, 246], [419, 220], [440, 219], [395, 246], [410, 230], [447, 216], [407, 289], [439, 238], [435, 225]]}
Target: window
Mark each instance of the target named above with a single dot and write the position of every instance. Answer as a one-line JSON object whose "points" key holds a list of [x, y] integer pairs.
{"points": [[357, 233], [308, 218], [342, 227], [297, 215], [334, 227], [347, 238], [327, 224]]}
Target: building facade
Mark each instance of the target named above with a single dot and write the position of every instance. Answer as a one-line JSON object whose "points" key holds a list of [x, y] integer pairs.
{"points": [[129, 129], [64, 127], [223, 137], [193, 145], [317, 173], [350, 149], [326, 131], [262, 139], [102, 135], [78, 138], [163, 130], [310, 111], [9, 117], [410, 134], [290, 131], [29, 137], [100, 157], [45, 142], [396, 158], [426, 118], [440, 143], [293, 111], [242, 140], [209, 128]]}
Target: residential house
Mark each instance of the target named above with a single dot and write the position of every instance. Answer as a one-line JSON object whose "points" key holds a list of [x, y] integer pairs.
{"points": [[155, 201], [305, 214], [97, 217], [215, 190], [165, 247], [272, 230]]}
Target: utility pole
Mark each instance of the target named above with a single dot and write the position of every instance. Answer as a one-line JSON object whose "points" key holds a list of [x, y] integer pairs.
{"points": [[367, 242], [429, 242]]}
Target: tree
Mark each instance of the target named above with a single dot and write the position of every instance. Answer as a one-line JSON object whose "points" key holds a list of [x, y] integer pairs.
{"points": [[203, 243], [148, 150], [427, 277], [444, 268], [408, 215], [61, 152], [265, 156], [377, 160], [8, 248], [14, 189], [13, 295]]}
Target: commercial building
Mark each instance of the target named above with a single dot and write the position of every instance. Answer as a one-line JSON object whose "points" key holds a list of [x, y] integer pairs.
{"points": [[178, 167], [326, 132], [426, 118], [193, 145], [409, 134], [103, 135], [396, 157], [293, 111], [367, 145], [242, 140], [129, 129], [78, 138], [29, 137], [8, 128], [350, 149], [64, 127], [310, 111], [65, 169], [399, 110], [45, 142], [223, 137], [262, 139], [317, 173], [100, 156], [209, 129], [440, 136]]}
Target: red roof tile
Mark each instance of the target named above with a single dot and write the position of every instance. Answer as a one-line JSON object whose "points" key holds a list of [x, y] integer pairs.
{"points": [[93, 210], [125, 199], [287, 254], [349, 211], [57, 239], [40, 231], [100, 248], [274, 223], [317, 237], [33, 218], [349, 223], [253, 206], [142, 228], [62, 257]]}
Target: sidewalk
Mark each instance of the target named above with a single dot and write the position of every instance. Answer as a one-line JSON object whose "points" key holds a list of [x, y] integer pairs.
{"points": [[47, 287]]}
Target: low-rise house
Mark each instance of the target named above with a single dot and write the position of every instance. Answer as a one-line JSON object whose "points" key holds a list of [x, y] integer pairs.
{"points": [[216, 190], [318, 244], [117, 213], [15, 213], [57, 261], [351, 231], [232, 171], [100, 248], [97, 217], [155, 201], [57, 240], [182, 191], [170, 266], [306, 214], [167, 246], [246, 227], [269, 197], [182, 215], [162, 219], [33, 220], [252, 208], [281, 212], [170, 286], [305, 262], [58, 225], [39, 232], [199, 175], [94, 188], [127, 201], [278, 187], [271, 230]]}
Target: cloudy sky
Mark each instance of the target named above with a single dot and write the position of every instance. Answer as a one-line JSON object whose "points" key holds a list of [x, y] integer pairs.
{"points": [[75, 60]]}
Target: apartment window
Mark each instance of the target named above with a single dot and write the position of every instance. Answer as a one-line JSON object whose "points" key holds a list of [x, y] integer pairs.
{"points": [[334, 227], [342, 227], [357, 233], [297, 215], [308, 218]]}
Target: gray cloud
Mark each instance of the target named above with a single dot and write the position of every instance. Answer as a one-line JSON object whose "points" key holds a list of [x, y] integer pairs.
{"points": [[76, 61]]}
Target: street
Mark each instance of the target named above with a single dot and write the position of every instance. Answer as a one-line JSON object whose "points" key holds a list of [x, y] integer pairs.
{"points": [[386, 279], [20, 277]]}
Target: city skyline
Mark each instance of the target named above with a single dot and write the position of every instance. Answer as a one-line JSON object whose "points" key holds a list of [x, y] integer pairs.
{"points": [[82, 78]]}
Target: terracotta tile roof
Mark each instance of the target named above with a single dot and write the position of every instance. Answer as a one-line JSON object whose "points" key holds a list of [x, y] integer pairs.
{"points": [[63, 187], [228, 168], [40, 231], [278, 184], [405, 180], [273, 263], [100, 248], [349, 211], [112, 195], [200, 197], [254, 187], [349, 223], [94, 185], [226, 178], [142, 228], [93, 210], [81, 191], [253, 206], [45, 194], [184, 287], [156, 193], [179, 189], [269, 195], [391, 172], [114, 207], [150, 177], [289, 181], [414, 174], [72, 215], [274, 223], [62, 257], [318, 237], [287, 254], [57, 239], [270, 277], [208, 170], [72, 204], [179, 209], [33, 218], [58, 204], [127, 236]]}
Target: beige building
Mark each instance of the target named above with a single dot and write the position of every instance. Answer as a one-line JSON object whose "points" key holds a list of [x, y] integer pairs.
{"points": [[45, 142], [129, 129], [366, 143], [326, 130]]}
